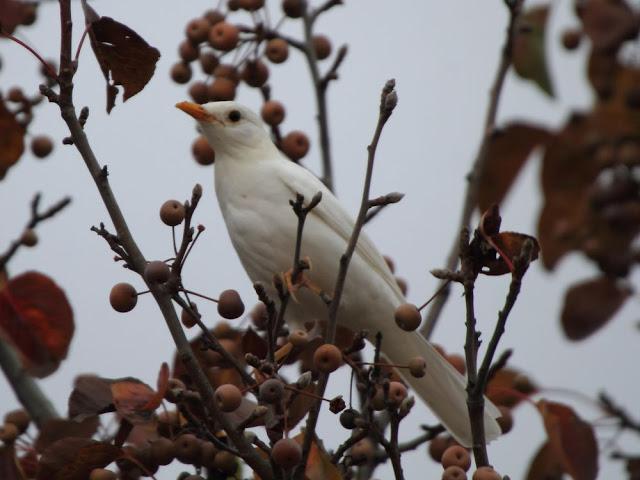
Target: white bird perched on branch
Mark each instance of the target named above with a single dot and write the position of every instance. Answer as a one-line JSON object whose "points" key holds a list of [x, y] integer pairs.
{"points": [[254, 182]]}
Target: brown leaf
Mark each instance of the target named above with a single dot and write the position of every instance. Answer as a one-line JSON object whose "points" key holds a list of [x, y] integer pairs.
{"points": [[300, 406], [59, 428], [545, 465], [36, 318], [589, 305], [572, 439], [608, 24], [319, 465], [11, 139], [254, 343], [91, 396], [508, 387], [508, 150], [9, 466], [74, 458], [529, 56], [136, 401], [13, 13], [125, 58]]}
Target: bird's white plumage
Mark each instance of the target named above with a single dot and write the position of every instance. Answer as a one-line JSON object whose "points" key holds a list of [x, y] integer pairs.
{"points": [[254, 183]]}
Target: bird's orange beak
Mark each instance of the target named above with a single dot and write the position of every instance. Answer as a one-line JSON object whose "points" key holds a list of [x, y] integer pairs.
{"points": [[197, 111]]}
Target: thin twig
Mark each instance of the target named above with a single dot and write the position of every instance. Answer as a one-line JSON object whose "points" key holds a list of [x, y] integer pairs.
{"points": [[52, 73], [471, 195], [388, 101]]}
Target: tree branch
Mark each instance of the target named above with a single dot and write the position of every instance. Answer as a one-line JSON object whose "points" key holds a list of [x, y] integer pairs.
{"points": [[471, 195]]}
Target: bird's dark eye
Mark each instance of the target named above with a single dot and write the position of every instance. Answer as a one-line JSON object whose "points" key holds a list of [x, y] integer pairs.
{"points": [[234, 115]]}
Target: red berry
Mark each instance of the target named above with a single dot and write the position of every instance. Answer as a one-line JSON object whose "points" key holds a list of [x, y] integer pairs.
{"points": [[224, 36], [123, 297], [298, 338], [208, 62], [293, 8], [16, 95], [188, 51], [397, 393], [208, 455], [197, 30], [41, 146], [102, 474], [228, 397], [199, 92], [286, 453], [295, 145], [221, 89], [230, 305], [255, 73], [505, 420], [172, 213], [277, 50], [20, 418], [29, 238], [271, 391], [454, 473], [417, 367], [407, 317], [214, 16], [8, 433], [251, 5], [362, 451], [322, 46], [181, 72], [157, 272], [187, 319], [227, 71], [202, 151], [486, 473], [327, 358], [438, 445], [225, 462], [187, 448], [456, 455], [259, 316], [571, 39], [272, 112], [162, 451]]}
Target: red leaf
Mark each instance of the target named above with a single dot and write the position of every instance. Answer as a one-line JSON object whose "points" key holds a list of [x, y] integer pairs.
{"points": [[59, 428], [162, 385], [572, 439], [508, 150], [124, 56], [11, 137], [136, 401], [319, 465], [589, 305], [91, 396], [545, 465], [509, 387], [36, 318], [74, 458]]}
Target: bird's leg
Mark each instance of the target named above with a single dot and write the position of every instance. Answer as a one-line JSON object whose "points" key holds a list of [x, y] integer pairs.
{"points": [[294, 279]]}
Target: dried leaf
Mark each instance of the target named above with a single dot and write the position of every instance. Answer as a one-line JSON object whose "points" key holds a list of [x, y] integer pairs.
{"points": [[36, 318], [589, 305], [74, 458], [125, 58], [13, 13], [509, 149], [9, 466], [545, 465], [319, 465], [572, 439], [508, 387], [254, 343], [11, 138], [58, 428], [608, 24], [529, 56], [300, 406], [91, 396]]}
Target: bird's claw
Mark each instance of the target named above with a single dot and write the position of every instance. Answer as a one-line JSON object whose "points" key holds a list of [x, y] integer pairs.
{"points": [[292, 285]]}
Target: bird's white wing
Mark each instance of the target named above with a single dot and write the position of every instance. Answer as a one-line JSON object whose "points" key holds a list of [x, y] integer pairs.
{"points": [[300, 180]]}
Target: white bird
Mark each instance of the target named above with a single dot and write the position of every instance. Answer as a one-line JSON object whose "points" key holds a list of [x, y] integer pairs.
{"points": [[254, 182]]}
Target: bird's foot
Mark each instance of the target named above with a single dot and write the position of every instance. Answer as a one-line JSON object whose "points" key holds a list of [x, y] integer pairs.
{"points": [[292, 285]]}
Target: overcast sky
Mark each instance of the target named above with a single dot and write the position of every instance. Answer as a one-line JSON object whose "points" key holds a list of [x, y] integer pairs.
{"points": [[443, 56]]}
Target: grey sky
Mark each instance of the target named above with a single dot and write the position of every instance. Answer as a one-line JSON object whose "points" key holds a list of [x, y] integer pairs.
{"points": [[443, 56]]}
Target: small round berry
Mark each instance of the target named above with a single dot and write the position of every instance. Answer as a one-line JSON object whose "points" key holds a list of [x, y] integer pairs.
{"points": [[259, 316], [181, 72], [271, 391], [16, 95], [41, 146], [327, 358], [505, 420], [175, 388], [286, 453], [438, 445], [454, 473], [251, 5], [8, 433], [417, 367], [20, 418], [199, 92], [187, 448], [233, 5], [277, 50], [208, 455], [272, 112], [102, 474], [293, 8], [295, 145], [397, 393], [29, 238], [224, 36], [230, 305], [523, 384], [226, 462], [227, 71], [348, 418], [362, 451], [456, 455], [255, 73], [172, 213], [322, 46], [214, 16], [298, 338], [29, 14], [202, 151], [157, 272], [123, 297], [208, 62], [188, 51], [486, 473], [571, 39], [228, 397], [458, 362], [187, 319], [221, 89], [197, 30], [407, 317], [377, 402], [168, 423], [402, 284]]}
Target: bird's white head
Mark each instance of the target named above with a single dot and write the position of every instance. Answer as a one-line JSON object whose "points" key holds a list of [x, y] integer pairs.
{"points": [[233, 130]]}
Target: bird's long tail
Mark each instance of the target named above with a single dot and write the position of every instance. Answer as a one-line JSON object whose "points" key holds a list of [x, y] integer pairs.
{"points": [[442, 387]]}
